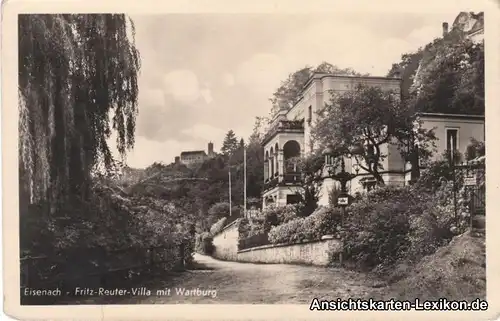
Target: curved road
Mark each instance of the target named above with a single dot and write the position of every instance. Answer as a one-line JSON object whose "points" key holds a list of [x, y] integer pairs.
{"points": [[250, 283]]}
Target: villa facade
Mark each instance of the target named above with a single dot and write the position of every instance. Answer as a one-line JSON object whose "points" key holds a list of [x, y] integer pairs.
{"points": [[290, 131], [290, 136]]}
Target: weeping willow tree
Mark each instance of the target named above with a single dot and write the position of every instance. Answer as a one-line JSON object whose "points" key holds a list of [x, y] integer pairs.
{"points": [[77, 84]]}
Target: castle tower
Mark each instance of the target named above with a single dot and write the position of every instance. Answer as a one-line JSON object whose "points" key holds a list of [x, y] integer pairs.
{"points": [[210, 149], [445, 28]]}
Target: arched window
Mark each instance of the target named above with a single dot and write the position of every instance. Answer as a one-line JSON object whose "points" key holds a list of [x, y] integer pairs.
{"points": [[271, 161], [291, 151]]}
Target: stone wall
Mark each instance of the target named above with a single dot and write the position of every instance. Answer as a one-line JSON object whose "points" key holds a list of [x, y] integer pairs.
{"points": [[320, 253], [226, 243]]}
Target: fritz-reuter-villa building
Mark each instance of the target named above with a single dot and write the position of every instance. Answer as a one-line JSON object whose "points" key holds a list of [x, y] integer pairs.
{"points": [[289, 136], [289, 133]]}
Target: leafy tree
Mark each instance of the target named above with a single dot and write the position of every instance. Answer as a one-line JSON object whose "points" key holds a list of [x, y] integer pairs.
{"points": [[475, 149], [450, 78], [230, 144], [361, 121], [407, 69], [311, 168], [290, 90], [259, 130], [73, 71]]}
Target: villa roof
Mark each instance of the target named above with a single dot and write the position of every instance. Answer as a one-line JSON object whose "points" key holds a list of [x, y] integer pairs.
{"points": [[459, 116]]}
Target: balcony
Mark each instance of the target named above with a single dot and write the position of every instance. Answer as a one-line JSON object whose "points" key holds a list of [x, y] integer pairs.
{"points": [[292, 178], [287, 179], [284, 126]]}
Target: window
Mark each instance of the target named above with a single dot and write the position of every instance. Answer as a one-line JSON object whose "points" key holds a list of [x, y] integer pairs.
{"points": [[292, 199], [451, 139], [309, 114]]}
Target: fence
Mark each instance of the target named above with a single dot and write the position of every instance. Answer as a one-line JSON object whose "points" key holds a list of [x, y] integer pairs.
{"points": [[94, 268], [474, 176]]}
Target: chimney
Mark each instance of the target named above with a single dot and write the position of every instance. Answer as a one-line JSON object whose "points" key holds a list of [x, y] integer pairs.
{"points": [[210, 148], [445, 28]]}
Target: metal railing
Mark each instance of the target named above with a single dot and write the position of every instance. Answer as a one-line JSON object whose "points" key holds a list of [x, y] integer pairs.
{"points": [[282, 126]]}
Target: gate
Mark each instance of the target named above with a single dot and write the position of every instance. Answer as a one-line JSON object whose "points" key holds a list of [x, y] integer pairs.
{"points": [[474, 182]]}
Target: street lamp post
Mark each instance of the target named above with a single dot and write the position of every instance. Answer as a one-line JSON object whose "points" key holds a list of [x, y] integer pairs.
{"points": [[342, 177]]}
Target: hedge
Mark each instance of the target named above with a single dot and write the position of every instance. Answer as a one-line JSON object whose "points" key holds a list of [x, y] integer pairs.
{"points": [[204, 243], [324, 221], [218, 226], [253, 241]]}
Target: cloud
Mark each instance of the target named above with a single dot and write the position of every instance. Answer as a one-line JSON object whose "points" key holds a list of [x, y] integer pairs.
{"points": [[151, 97], [182, 85], [261, 73], [341, 42], [213, 81], [147, 151], [161, 122], [206, 94], [205, 132], [228, 79]]}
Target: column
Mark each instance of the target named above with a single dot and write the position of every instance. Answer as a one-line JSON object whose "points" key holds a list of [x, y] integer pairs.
{"points": [[266, 170], [280, 165], [271, 168]]}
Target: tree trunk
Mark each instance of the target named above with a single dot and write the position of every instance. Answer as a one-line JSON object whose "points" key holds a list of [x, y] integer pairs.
{"points": [[415, 166]]}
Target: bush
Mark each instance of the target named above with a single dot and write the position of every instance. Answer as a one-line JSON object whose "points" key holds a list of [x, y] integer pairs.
{"points": [[475, 149], [204, 244], [278, 215], [322, 222], [266, 219], [399, 223], [376, 233], [253, 232], [218, 226], [219, 210], [253, 241]]}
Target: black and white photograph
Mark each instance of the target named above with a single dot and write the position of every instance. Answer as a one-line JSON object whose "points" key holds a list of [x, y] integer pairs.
{"points": [[331, 160]]}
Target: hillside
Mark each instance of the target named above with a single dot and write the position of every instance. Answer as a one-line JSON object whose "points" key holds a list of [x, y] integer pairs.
{"points": [[455, 271]]}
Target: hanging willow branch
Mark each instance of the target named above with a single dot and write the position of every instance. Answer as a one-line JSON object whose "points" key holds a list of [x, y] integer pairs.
{"points": [[74, 70]]}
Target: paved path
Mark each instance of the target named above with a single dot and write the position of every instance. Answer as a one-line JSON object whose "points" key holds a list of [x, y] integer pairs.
{"points": [[256, 283]]}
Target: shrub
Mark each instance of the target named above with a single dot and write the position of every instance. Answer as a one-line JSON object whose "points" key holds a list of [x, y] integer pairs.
{"points": [[474, 149], [253, 241], [219, 210], [333, 196], [262, 222], [286, 233], [204, 244], [376, 233], [322, 222], [399, 223], [434, 175], [218, 226], [279, 215], [253, 232]]}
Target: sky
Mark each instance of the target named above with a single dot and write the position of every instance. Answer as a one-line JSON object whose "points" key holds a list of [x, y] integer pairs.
{"points": [[204, 74]]}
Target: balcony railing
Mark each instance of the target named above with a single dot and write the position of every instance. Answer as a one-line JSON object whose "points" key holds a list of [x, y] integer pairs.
{"points": [[292, 178], [284, 126], [289, 178]]}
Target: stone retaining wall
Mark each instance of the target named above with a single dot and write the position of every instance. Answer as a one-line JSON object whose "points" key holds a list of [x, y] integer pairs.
{"points": [[319, 253], [226, 243]]}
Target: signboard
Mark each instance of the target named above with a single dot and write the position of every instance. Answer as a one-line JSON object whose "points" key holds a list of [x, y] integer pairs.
{"points": [[470, 180], [343, 200]]}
